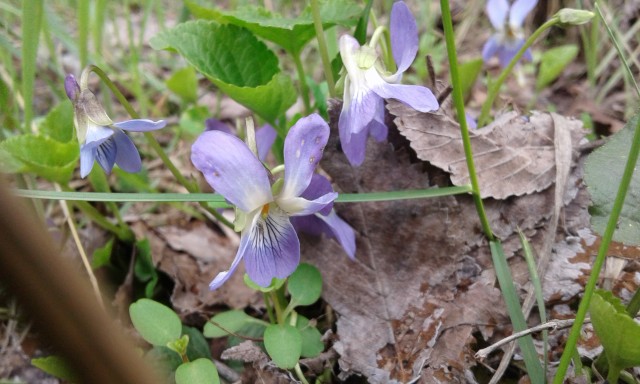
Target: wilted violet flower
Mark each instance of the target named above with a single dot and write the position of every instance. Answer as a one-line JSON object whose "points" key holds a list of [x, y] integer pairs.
{"points": [[367, 84], [507, 19], [100, 138], [268, 242]]}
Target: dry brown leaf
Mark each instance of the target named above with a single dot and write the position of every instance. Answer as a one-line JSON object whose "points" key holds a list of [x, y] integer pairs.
{"points": [[422, 287], [192, 272], [513, 155]]}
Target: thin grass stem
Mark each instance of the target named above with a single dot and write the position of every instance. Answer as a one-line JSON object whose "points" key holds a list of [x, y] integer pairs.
{"points": [[459, 103], [302, 81], [494, 89]]}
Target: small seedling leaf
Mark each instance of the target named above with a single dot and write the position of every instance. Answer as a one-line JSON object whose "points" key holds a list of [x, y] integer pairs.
{"points": [[312, 344], [283, 344], [231, 321], [200, 371], [156, 323], [305, 285]]}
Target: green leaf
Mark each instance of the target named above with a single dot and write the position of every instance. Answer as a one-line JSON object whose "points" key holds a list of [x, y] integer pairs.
{"points": [[58, 124], [180, 345], [55, 366], [603, 172], [48, 158], [553, 62], [192, 120], [292, 34], [283, 344], [305, 285], [618, 332], [312, 344], [236, 62], [276, 283], [156, 323], [201, 371], [233, 321], [469, 72], [184, 83], [144, 268], [102, 256], [198, 346]]}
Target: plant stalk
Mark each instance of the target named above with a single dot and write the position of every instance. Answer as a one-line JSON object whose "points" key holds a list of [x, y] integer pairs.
{"points": [[322, 46]]}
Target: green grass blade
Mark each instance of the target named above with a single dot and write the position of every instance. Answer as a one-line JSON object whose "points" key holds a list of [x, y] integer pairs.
{"points": [[216, 200], [537, 288], [32, 11], [503, 273]]}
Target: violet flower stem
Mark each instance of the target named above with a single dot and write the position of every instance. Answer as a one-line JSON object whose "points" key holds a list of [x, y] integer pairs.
{"points": [[494, 89], [302, 80], [192, 187], [459, 103], [322, 47]]}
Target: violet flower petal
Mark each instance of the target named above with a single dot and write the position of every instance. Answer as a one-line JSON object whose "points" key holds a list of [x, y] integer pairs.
{"points": [[274, 248], [355, 148], [265, 137], [519, 11], [341, 231], [364, 105], [490, 48], [216, 125], [87, 159], [222, 277], [232, 170], [404, 36], [303, 148], [127, 156], [105, 154], [299, 206], [96, 134], [319, 186], [141, 125], [497, 10], [417, 97]]}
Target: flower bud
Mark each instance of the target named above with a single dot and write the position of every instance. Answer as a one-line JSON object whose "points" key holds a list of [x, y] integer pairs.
{"points": [[570, 16]]}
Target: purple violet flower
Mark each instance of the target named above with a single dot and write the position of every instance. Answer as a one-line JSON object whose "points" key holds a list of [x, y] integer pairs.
{"points": [[268, 242], [326, 221], [367, 84], [100, 138], [507, 19]]}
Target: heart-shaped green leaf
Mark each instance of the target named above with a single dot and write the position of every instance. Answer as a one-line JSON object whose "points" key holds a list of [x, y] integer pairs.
{"points": [[283, 344], [48, 158], [603, 172], [236, 62], [200, 371], [156, 323], [55, 366], [292, 34], [58, 124], [618, 332]]}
